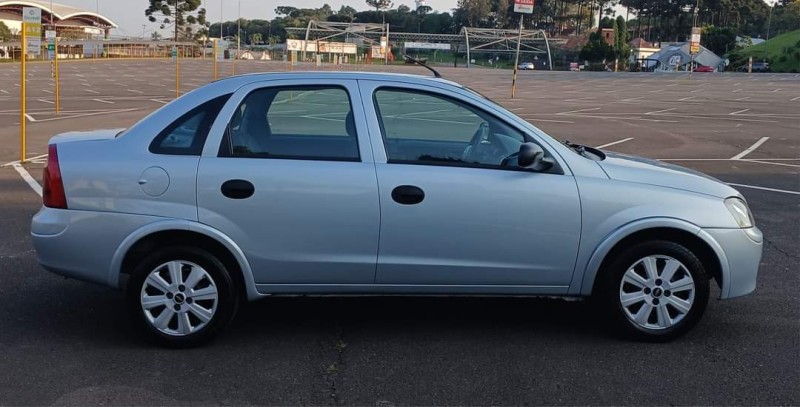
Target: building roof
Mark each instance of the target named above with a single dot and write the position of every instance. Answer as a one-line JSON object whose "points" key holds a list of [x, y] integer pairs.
{"points": [[640, 43], [681, 51], [60, 11]]}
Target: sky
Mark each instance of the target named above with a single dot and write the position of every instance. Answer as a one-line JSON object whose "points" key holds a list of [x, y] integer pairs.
{"points": [[129, 14]]}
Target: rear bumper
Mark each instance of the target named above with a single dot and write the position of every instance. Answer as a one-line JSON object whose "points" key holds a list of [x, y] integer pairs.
{"points": [[740, 260], [82, 244]]}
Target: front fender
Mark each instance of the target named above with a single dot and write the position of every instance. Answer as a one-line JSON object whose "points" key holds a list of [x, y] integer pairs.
{"points": [[115, 271], [584, 285]]}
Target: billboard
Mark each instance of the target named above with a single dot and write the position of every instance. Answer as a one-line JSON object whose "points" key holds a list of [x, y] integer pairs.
{"points": [[694, 47], [324, 46], [301, 45], [32, 17], [426, 45], [337, 47], [376, 52]]}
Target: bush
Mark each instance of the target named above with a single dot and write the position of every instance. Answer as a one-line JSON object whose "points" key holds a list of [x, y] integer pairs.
{"points": [[782, 59]]}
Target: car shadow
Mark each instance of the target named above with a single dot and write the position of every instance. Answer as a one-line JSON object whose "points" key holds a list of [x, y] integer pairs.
{"points": [[400, 315]]}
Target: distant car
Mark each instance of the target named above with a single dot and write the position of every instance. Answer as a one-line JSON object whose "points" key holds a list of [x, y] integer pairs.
{"points": [[526, 66], [702, 68], [757, 67], [337, 183]]}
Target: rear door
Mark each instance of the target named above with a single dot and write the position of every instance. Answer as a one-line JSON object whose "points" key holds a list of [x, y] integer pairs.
{"points": [[291, 180]]}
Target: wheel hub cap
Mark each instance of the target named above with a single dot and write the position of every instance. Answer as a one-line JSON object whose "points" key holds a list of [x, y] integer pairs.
{"points": [[179, 298], [656, 292]]}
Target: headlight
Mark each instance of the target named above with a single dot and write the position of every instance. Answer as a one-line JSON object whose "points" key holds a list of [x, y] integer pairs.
{"points": [[740, 212]]}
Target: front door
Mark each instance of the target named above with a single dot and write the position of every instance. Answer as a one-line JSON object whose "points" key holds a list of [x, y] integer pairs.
{"points": [[292, 184], [451, 213]]}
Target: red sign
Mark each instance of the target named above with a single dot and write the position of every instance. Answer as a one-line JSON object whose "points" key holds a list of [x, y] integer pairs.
{"points": [[523, 6]]}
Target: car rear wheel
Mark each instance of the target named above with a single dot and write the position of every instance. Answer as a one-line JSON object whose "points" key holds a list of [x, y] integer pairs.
{"points": [[655, 291], [181, 296]]}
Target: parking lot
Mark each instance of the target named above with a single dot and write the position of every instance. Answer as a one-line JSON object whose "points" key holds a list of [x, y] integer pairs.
{"points": [[65, 342]]}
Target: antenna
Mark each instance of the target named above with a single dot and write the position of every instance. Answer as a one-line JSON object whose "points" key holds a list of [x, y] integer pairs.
{"points": [[418, 62]]}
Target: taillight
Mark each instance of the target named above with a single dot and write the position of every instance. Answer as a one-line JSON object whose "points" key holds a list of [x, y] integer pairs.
{"points": [[53, 189]]}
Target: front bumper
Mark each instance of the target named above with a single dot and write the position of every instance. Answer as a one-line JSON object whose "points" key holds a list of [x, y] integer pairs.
{"points": [[740, 258]]}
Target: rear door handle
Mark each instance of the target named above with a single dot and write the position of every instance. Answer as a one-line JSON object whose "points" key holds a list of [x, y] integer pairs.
{"points": [[408, 195], [237, 189]]}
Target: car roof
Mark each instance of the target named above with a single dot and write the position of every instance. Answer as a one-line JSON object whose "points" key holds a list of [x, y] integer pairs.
{"points": [[241, 80]]}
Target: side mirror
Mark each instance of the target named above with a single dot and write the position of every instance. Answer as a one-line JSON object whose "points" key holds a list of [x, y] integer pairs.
{"points": [[530, 155]]}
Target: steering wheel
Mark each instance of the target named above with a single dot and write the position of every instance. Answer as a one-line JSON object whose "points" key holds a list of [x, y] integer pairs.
{"points": [[509, 158], [480, 135]]}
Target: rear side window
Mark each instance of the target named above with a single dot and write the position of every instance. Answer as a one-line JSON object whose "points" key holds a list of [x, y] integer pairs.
{"points": [[304, 123], [187, 135]]}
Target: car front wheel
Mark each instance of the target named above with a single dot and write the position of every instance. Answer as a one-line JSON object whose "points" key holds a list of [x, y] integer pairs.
{"points": [[181, 296], [655, 291]]}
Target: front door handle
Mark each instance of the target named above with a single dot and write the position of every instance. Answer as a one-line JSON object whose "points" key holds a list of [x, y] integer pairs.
{"points": [[237, 189], [408, 195]]}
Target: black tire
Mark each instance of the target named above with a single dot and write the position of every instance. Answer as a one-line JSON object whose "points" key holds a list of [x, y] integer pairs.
{"points": [[224, 307], [610, 289]]}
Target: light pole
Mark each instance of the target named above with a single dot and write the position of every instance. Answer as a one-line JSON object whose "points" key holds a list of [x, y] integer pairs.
{"points": [[766, 42], [97, 13], [239, 31]]}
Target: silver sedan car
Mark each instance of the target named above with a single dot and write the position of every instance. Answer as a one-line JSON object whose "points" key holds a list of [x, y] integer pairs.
{"points": [[330, 183]]}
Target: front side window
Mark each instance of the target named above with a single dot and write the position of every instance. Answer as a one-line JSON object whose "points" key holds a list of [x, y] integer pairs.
{"points": [[293, 123], [187, 135], [424, 128]]}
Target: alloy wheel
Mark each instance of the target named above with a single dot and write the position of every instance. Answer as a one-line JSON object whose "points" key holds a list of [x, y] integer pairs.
{"points": [[656, 292], [179, 298]]}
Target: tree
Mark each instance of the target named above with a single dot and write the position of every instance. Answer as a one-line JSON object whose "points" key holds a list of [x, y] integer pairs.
{"points": [[181, 14], [255, 39], [380, 4], [596, 49], [5, 33], [719, 40], [155, 35], [472, 12], [621, 37], [785, 17]]}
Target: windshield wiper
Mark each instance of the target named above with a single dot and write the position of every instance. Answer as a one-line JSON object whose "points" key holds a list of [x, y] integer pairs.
{"points": [[580, 149]]}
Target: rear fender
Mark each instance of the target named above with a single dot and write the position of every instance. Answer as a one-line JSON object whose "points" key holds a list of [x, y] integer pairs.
{"points": [[115, 272]]}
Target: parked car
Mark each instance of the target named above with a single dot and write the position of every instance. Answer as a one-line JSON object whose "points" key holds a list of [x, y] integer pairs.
{"points": [[703, 68], [757, 67], [526, 66], [379, 184]]}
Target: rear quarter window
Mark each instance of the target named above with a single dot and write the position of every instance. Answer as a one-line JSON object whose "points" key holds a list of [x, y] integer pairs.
{"points": [[187, 134]]}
